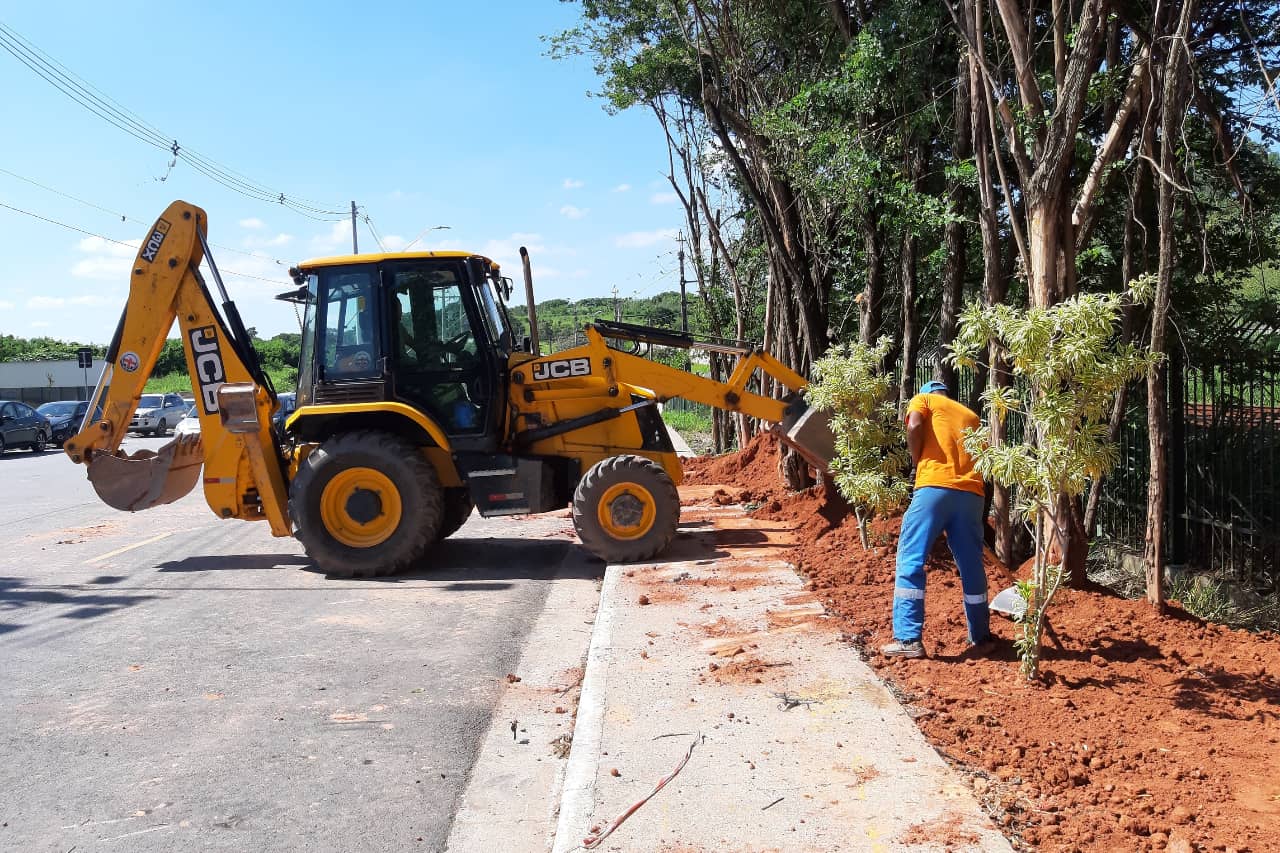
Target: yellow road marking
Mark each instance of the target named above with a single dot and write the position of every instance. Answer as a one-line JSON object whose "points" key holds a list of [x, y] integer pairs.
{"points": [[127, 548]]}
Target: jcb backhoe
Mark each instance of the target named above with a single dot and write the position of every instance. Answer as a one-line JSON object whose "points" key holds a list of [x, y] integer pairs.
{"points": [[415, 404]]}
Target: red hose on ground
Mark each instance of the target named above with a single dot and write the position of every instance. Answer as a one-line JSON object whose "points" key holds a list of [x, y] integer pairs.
{"points": [[591, 842]]}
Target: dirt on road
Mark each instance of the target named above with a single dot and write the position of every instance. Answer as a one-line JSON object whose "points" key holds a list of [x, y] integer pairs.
{"points": [[1145, 732]]}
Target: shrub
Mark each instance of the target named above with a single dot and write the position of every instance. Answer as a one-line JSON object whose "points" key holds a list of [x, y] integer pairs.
{"points": [[871, 451]]}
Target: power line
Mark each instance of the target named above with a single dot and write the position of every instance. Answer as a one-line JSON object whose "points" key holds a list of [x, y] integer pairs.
{"points": [[114, 113], [124, 217], [89, 233]]}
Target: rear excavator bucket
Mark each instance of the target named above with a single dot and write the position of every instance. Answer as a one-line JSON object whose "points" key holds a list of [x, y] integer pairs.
{"points": [[147, 478], [808, 432]]}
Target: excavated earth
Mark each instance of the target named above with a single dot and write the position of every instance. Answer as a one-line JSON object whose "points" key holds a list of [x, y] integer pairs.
{"points": [[1144, 732]]}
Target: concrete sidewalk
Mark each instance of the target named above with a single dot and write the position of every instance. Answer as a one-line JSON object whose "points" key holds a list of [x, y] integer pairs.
{"points": [[796, 745]]}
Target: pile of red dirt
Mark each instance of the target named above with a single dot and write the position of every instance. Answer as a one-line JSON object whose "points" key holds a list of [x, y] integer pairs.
{"points": [[755, 471], [1143, 733]]}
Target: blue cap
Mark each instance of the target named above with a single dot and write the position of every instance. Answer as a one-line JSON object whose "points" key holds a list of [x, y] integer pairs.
{"points": [[934, 387]]}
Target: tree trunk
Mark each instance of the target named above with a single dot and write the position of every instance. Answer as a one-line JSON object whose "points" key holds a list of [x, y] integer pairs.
{"points": [[994, 288], [954, 232], [910, 332], [870, 305], [1171, 118]]}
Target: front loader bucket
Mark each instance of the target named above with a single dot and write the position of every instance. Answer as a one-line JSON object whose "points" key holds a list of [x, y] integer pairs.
{"points": [[147, 478], [808, 431]]}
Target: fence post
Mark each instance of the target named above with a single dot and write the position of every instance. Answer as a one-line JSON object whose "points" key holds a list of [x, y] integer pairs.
{"points": [[1177, 457]]}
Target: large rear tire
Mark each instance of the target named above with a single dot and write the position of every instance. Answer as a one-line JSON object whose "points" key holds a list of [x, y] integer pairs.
{"points": [[366, 504], [626, 509], [457, 509]]}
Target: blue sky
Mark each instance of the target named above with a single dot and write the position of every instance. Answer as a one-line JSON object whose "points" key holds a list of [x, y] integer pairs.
{"points": [[426, 114]]}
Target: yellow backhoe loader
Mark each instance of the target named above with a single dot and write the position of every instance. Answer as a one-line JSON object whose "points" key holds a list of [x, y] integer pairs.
{"points": [[415, 405]]}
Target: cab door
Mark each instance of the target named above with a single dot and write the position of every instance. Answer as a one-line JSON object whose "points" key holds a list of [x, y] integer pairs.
{"points": [[439, 355]]}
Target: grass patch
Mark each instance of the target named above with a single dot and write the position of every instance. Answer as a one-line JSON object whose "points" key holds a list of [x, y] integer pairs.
{"points": [[284, 378], [687, 422]]}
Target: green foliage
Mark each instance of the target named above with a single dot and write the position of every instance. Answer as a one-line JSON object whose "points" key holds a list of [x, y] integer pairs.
{"points": [[13, 348], [1068, 366], [687, 422], [871, 457]]}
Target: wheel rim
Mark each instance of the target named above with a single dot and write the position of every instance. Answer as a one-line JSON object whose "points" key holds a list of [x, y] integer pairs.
{"points": [[627, 511], [361, 507]]}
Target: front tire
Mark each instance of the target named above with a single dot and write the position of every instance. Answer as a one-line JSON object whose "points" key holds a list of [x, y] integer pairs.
{"points": [[366, 504], [626, 509], [37, 446], [162, 428]]}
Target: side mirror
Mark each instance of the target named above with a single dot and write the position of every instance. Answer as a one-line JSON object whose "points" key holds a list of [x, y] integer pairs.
{"points": [[526, 344]]}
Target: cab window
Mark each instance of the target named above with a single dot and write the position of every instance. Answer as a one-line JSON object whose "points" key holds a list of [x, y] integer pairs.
{"points": [[433, 342], [350, 326]]}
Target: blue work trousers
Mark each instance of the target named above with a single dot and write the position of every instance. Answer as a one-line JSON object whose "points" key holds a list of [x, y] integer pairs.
{"points": [[934, 510]]}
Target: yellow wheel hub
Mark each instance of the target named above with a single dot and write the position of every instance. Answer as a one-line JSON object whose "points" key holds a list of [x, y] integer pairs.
{"points": [[361, 507], [627, 511]]}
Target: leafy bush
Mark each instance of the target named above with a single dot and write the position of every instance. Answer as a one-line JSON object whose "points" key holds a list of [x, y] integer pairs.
{"points": [[871, 460], [1068, 367]]}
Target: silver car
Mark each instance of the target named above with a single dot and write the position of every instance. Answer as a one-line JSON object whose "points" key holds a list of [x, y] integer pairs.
{"points": [[157, 413]]}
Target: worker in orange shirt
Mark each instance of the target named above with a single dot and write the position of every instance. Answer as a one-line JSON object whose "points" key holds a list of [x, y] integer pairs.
{"points": [[949, 497]]}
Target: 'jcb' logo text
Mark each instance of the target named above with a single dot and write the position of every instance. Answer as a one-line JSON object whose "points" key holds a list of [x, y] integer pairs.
{"points": [[209, 369], [561, 369], [155, 241]]}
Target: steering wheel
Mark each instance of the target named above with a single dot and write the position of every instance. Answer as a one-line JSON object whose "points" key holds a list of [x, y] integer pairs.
{"points": [[457, 344]]}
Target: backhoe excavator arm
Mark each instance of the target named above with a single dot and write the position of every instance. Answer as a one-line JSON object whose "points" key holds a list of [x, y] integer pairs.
{"points": [[244, 476], [607, 369]]}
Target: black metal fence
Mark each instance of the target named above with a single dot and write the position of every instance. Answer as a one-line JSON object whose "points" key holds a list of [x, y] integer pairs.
{"points": [[1223, 513]]}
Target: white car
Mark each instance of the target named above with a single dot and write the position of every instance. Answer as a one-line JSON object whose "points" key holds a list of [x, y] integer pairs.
{"points": [[190, 425], [157, 413]]}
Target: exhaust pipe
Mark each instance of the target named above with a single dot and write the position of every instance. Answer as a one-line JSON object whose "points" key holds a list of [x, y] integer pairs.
{"points": [[528, 299]]}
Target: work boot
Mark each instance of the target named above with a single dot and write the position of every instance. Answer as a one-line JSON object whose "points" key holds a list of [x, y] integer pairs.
{"points": [[903, 649]]}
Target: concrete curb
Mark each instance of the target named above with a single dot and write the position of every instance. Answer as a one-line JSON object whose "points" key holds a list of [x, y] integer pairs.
{"points": [[577, 791]]}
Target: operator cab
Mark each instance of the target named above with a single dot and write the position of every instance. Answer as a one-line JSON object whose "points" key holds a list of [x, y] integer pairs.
{"points": [[427, 329]]}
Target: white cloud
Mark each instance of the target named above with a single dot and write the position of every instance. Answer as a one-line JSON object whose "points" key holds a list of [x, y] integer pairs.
{"points": [[643, 239], [507, 251], [571, 212], [663, 198], [106, 260], [252, 223], [39, 324], [5, 305], [393, 242], [264, 242], [572, 183], [622, 188], [339, 237], [45, 303]]}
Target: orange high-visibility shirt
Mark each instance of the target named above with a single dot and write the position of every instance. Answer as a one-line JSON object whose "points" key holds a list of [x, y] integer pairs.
{"points": [[943, 461]]}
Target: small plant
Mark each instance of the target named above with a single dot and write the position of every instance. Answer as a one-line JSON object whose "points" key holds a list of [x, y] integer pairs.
{"points": [[871, 446], [1068, 366]]}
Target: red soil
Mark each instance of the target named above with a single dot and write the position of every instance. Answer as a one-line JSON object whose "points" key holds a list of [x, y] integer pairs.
{"points": [[1143, 733]]}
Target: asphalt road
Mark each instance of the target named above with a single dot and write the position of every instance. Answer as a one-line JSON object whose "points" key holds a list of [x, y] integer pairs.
{"points": [[170, 681]]}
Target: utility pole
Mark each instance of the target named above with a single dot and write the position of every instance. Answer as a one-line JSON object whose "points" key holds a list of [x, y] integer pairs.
{"points": [[355, 246], [617, 309], [684, 300]]}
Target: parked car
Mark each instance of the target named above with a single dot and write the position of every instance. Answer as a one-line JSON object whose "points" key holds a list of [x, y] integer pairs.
{"points": [[65, 417], [157, 413], [23, 426], [288, 404], [190, 425]]}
